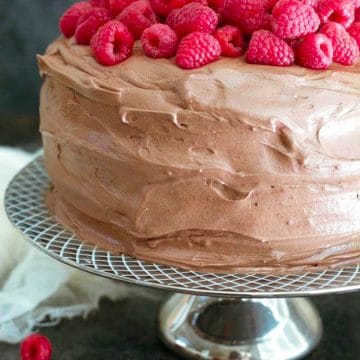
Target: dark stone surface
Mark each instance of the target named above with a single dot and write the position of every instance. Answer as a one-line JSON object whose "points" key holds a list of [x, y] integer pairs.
{"points": [[26, 28], [127, 330]]}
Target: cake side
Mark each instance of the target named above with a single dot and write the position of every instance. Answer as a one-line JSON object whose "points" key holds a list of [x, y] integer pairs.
{"points": [[228, 168]]}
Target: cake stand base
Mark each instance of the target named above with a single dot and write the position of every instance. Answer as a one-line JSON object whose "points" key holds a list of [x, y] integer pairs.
{"points": [[202, 327]]}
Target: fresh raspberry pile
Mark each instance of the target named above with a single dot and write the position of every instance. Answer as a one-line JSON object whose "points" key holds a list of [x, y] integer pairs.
{"points": [[310, 33]]}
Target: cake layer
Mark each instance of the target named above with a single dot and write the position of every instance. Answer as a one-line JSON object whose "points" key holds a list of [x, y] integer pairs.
{"points": [[231, 167]]}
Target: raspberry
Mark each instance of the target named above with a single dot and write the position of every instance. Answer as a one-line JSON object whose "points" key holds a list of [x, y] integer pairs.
{"points": [[314, 52], [100, 3], [312, 3], [70, 18], [271, 3], [354, 31], [216, 4], [267, 48], [248, 15], [159, 41], [195, 17], [112, 43], [170, 19], [36, 347], [117, 6], [267, 22], [197, 49], [292, 19], [357, 15], [137, 17], [177, 4], [89, 23], [340, 11], [346, 50], [231, 41], [161, 7]]}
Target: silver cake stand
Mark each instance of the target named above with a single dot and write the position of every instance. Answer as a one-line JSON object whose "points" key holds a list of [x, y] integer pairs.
{"points": [[211, 316]]}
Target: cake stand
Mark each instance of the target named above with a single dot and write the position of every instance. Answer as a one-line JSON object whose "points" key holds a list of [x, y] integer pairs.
{"points": [[211, 316]]}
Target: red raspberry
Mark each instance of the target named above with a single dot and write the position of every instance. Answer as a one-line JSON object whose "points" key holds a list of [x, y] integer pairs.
{"points": [[231, 41], [267, 48], [89, 23], [340, 11], [195, 17], [216, 4], [197, 49], [159, 41], [267, 22], [170, 19], [292, 19], [36, 347], [312, 3], [177, 4], [315, 51], [357, 15], [71, 17], [248, 15], [354, 31], [117, 6], [161, 7], [271, 3], [137, 17], [112, 43], [100, 3], [346, 50]]}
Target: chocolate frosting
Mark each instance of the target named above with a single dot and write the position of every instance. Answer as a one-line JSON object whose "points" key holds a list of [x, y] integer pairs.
{"points": [[228, 168]]}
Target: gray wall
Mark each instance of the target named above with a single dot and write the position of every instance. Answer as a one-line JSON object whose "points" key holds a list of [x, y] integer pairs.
{"points": [[26, 27]]}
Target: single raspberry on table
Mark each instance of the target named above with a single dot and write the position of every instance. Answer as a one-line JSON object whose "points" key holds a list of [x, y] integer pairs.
{"points": [[197, 49], [117, 6], [100, 3], [293, 19], [195, 17], [36, 347], [159, 41], [231, 41], [346, 50], [112, 43], [137, 17], [70, 18], [315, 51], [161, 7], [354, 31], [248, 15], [267, 48], [89, 23], [340, 11]]}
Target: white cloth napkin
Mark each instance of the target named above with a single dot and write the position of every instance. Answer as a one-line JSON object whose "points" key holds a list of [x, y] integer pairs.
{"points": [[36, 290]]}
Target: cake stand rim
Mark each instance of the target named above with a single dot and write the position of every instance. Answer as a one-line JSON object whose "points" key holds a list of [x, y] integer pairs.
{"points": [[37, 156]]}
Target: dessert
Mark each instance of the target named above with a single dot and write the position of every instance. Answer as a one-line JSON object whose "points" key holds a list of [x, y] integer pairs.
{"points": [[198, 160]]}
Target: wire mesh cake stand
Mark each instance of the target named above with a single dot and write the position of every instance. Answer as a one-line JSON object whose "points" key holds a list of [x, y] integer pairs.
{"points": [[211, 316]]}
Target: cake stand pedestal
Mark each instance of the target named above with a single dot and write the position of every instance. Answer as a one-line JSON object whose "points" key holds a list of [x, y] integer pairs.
{"points": [[211, 316], [202, 327]]}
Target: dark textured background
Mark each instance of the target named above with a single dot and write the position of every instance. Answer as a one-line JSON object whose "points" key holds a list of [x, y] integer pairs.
{"points": [[123, 330], [26, 27]]}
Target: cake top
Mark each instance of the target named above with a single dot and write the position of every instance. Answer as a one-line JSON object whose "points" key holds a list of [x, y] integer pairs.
{"points": [[310, 33]]}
